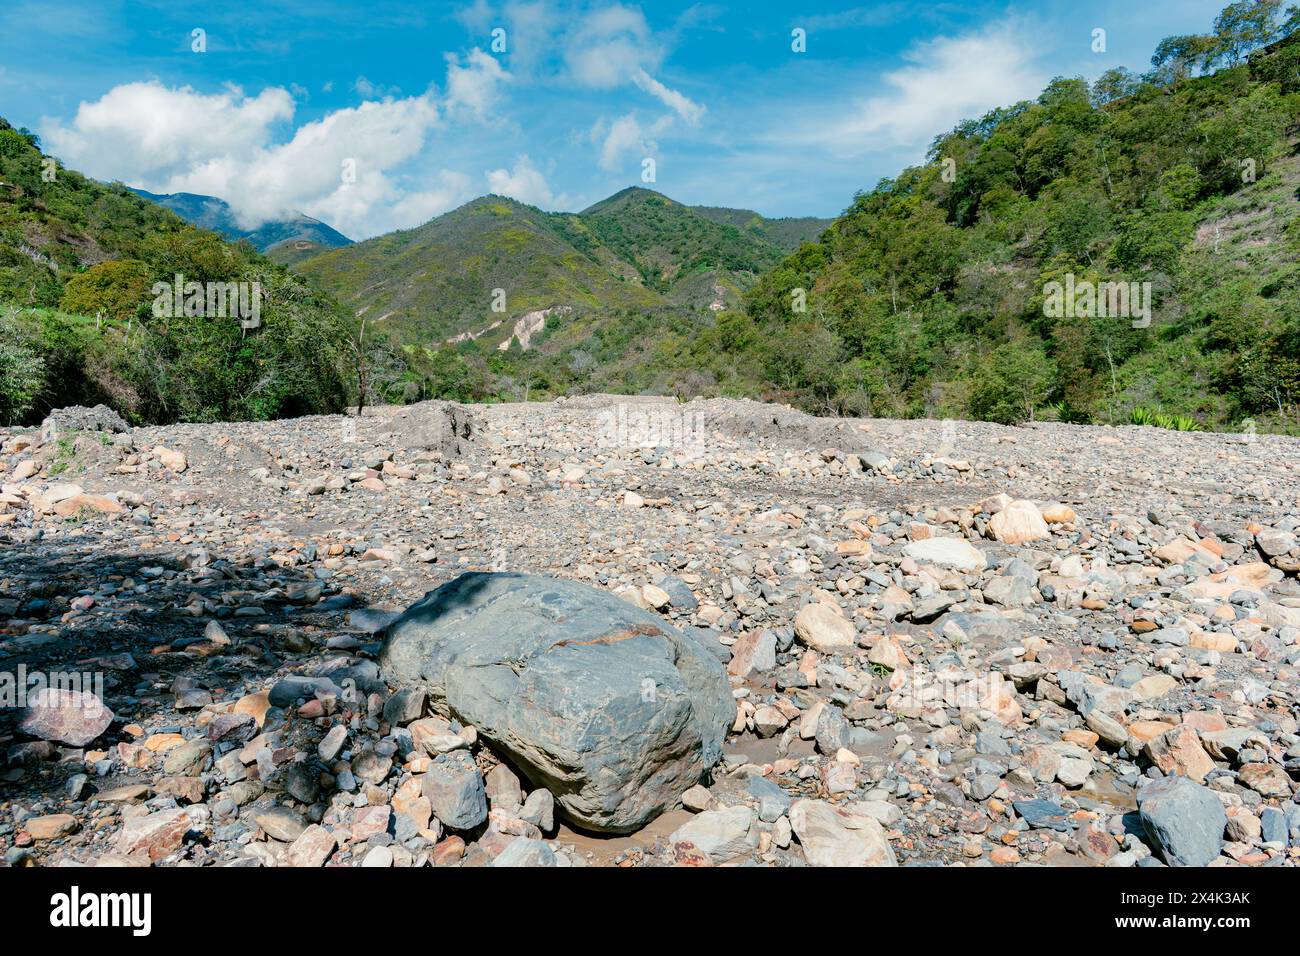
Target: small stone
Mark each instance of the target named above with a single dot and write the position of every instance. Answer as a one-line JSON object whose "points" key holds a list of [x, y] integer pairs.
{"points": [[311, 848], [522, 851], [280, 823], [154, 835], [50, 827], [455, 790], [831, 836]]}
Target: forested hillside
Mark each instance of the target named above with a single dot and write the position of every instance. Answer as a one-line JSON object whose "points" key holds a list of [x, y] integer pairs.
{"points": [[927, 296], [1175, 195], [78, 264]]}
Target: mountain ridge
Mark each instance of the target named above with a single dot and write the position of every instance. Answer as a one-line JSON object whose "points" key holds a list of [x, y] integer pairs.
{"points": [[634, 249], [214, 213]]}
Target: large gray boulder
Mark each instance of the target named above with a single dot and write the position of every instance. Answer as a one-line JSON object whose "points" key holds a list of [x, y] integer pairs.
{"points": [[611, 709], [1184, 821]]}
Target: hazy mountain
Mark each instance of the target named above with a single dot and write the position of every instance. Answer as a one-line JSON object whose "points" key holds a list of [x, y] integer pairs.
{"points": [[284, 240]]}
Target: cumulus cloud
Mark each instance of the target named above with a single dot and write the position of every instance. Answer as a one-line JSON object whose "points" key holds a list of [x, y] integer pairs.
{"points": [[628, 136], [613, 47], [141, 131], [525, 183], [602, 48], [474, 87], [609, 46], [343, 168], [947, 80]]}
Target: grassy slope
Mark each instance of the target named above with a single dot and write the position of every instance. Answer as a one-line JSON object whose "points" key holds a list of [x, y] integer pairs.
{"points": [[73, 245], [49, 230], [635, 250], [436, 281]]}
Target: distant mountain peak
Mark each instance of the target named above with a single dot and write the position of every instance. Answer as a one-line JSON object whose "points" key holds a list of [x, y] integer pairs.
{"points": [[211, 212]]}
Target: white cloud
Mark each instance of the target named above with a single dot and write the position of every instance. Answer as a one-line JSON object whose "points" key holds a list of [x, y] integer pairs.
{"points": [[609, 46], [530, 31], [179, 140], [140, 131], [949, 79], [627, 135], [475, 86], [613, 47], [597, 48], [372, 91], [525, 183], [679, 104]]}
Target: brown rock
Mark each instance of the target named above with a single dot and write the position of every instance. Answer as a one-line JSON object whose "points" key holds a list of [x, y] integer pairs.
{"points": [[68, 716], [154, 835], [255, 705], [310, 849], [104, 505], [1179, 751], [1018, 523], [51, 827], [449, 852], [1266, 779]]}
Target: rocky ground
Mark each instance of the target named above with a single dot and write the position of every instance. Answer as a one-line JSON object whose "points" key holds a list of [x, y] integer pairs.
{"points": [[947, 642]]}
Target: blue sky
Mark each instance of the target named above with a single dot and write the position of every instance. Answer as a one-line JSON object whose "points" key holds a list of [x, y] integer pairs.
{"points": [[380, 116]]}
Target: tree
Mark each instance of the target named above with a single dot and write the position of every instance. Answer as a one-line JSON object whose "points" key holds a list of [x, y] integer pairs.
{"points": [[1179, 57], [1013, 380], [1241, 27], [118, 289], [22, 375], [358, 346], [1115, 84]]}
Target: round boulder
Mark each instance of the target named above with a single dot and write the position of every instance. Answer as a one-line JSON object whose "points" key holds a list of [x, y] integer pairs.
{"points": [[607, 706]]}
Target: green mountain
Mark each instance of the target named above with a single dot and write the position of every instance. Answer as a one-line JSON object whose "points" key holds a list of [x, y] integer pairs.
{"points": [[636, 249], [81, 323], [939, 293], [787, 233], [281, 239]]}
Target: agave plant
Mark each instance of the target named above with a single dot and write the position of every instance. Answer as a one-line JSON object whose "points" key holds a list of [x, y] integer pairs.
{"points": [[1179, 423], [1063, 411]]}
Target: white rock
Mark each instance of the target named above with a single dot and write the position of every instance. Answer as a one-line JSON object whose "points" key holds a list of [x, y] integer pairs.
{"points": [[831, 836], [1018, 523], [956, 553], [822, 628]]}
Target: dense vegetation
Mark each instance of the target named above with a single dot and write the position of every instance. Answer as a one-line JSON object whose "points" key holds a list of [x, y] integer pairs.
{"points": [[78, 262], [634, 249], [640, 275], [926, 297]]}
